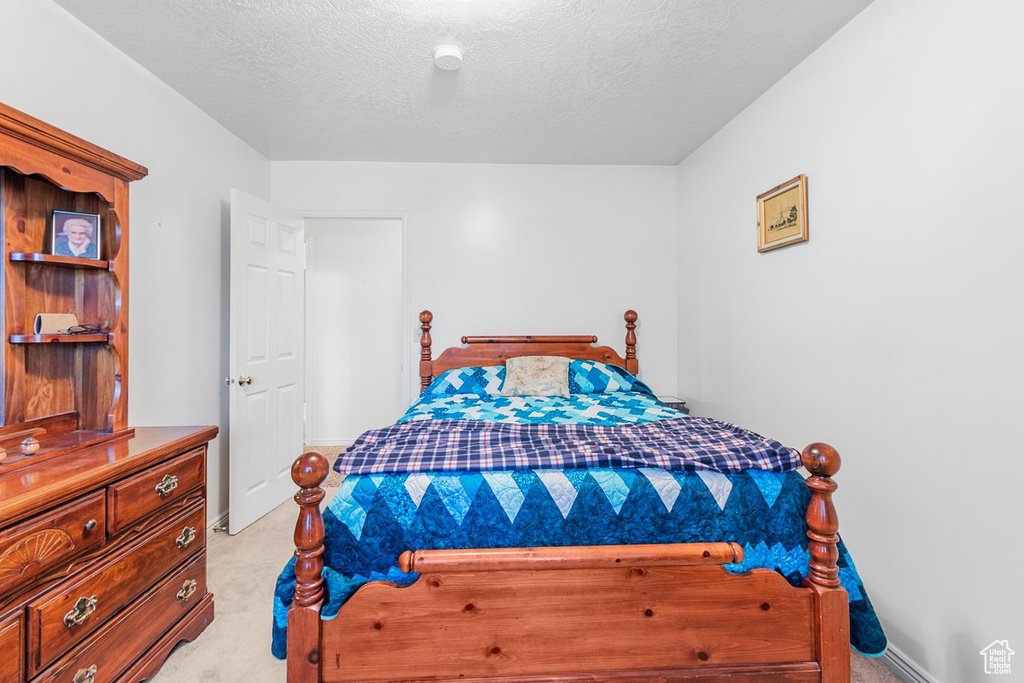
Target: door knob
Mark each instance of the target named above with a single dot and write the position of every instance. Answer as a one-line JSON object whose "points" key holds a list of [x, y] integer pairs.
{"points": [[244, 381], [229, 380]]}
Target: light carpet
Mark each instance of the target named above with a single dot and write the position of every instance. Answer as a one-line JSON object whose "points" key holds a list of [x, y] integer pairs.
{"points": [[242, 570]]}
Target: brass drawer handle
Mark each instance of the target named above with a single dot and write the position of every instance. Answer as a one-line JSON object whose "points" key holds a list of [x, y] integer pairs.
{"points": [[188, 589], [82, 610], [85, 675], [188, 534], [169, 483]]}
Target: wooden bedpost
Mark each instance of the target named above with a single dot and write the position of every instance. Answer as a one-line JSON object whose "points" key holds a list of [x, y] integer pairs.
{"points": [[833, 607], [426, 370], [631, 363], [308, 472], [822, 461]]}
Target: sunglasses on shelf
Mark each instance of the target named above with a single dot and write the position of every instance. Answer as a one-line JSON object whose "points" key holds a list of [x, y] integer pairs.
{"points": [[83, 329]]}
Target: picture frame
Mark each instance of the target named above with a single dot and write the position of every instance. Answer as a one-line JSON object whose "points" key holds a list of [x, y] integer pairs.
{"points": [[76, 235], [782, 215]]}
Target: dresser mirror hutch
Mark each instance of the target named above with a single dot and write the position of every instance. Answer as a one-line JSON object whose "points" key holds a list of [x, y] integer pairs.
{"points": [[102, 526]]}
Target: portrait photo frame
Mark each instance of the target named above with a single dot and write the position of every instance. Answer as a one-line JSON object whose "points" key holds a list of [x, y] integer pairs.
{"points": [[782, 215], [76, 234]]}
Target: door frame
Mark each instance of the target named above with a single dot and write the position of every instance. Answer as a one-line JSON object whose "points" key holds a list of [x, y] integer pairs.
{"points": [[408, 323]]}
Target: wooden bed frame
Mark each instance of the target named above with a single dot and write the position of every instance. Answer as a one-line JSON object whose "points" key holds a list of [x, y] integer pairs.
{"points": [[592, 613]]}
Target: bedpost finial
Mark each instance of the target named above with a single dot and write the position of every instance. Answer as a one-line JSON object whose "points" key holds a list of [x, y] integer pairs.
{"points": [[309, 470], [631, 363], [426, 367], [405, 561], [821, 460]]}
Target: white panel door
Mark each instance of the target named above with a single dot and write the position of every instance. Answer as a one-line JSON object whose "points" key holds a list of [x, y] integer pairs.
{"points": [[267, 261]]}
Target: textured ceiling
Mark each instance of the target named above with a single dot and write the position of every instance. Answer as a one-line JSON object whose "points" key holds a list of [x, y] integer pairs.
{"points": [[544, 81]]}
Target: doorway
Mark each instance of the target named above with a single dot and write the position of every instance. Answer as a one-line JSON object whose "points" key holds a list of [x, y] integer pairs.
{"points": [[356, 337]]}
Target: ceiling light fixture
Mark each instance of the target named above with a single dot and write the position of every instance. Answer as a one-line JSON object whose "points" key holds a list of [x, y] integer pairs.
{"points": [[448, 57]]}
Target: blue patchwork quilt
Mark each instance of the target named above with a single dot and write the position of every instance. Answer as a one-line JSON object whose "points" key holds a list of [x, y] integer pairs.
{"points": [[375, 517], [600, 394], [579, 409]]}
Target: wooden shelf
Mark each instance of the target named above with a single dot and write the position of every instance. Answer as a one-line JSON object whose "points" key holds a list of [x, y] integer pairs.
{"points": [[62, 261], [102, 337]]}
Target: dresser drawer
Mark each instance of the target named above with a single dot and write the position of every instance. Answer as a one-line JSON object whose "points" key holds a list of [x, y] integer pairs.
{"points": [[134, 498], [12, 654], [33, 547], [67, 614], [118, 643]]}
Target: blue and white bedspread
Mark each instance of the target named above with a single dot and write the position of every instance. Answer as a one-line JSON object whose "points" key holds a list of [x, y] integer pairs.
{"points": [[579, 409], [376, 516]]}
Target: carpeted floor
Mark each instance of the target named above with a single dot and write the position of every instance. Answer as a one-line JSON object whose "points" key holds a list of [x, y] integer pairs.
{"points": [[242, 571]]}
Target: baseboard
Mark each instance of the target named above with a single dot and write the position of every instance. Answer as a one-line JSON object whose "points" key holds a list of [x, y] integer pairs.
{"points": [[905, 668]]}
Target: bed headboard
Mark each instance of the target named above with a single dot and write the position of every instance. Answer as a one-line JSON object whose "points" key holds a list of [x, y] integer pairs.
{"points": [[495, 350]]}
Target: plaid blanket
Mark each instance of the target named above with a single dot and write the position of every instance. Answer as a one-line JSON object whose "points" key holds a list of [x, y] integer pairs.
{"points": [[694, 443]]}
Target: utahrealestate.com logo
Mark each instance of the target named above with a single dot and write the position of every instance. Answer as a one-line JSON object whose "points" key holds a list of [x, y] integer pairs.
{"points": [[997, 657]]}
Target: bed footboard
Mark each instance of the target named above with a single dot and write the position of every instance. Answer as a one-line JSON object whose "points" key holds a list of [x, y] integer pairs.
{"points": [[604, 613], [611, 613]]}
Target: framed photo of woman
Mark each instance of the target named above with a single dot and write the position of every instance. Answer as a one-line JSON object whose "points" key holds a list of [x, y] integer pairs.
{"points": [[76, 234]]}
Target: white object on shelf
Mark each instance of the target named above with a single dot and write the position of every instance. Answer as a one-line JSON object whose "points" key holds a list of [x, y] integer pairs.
{"points": [[53, 323]]}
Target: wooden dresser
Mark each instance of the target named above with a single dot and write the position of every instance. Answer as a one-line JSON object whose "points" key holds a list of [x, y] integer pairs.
{"points": [[103, 558], [102, 526]]}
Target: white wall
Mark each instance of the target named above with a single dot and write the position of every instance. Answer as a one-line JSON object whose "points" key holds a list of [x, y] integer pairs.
{"points": [[897, 330], [354, 285], [519, 249], [178, 214]]}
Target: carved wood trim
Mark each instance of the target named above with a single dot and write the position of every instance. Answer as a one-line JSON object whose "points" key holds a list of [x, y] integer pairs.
{"points": [[534, 339], [631, 363], [308, 472], [426, 371], [20, 125], [822, 461], [33, 550], [553, 558], [495, 350]]}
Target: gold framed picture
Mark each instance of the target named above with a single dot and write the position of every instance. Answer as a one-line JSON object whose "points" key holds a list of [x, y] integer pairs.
{"points": [[782, 215]]}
